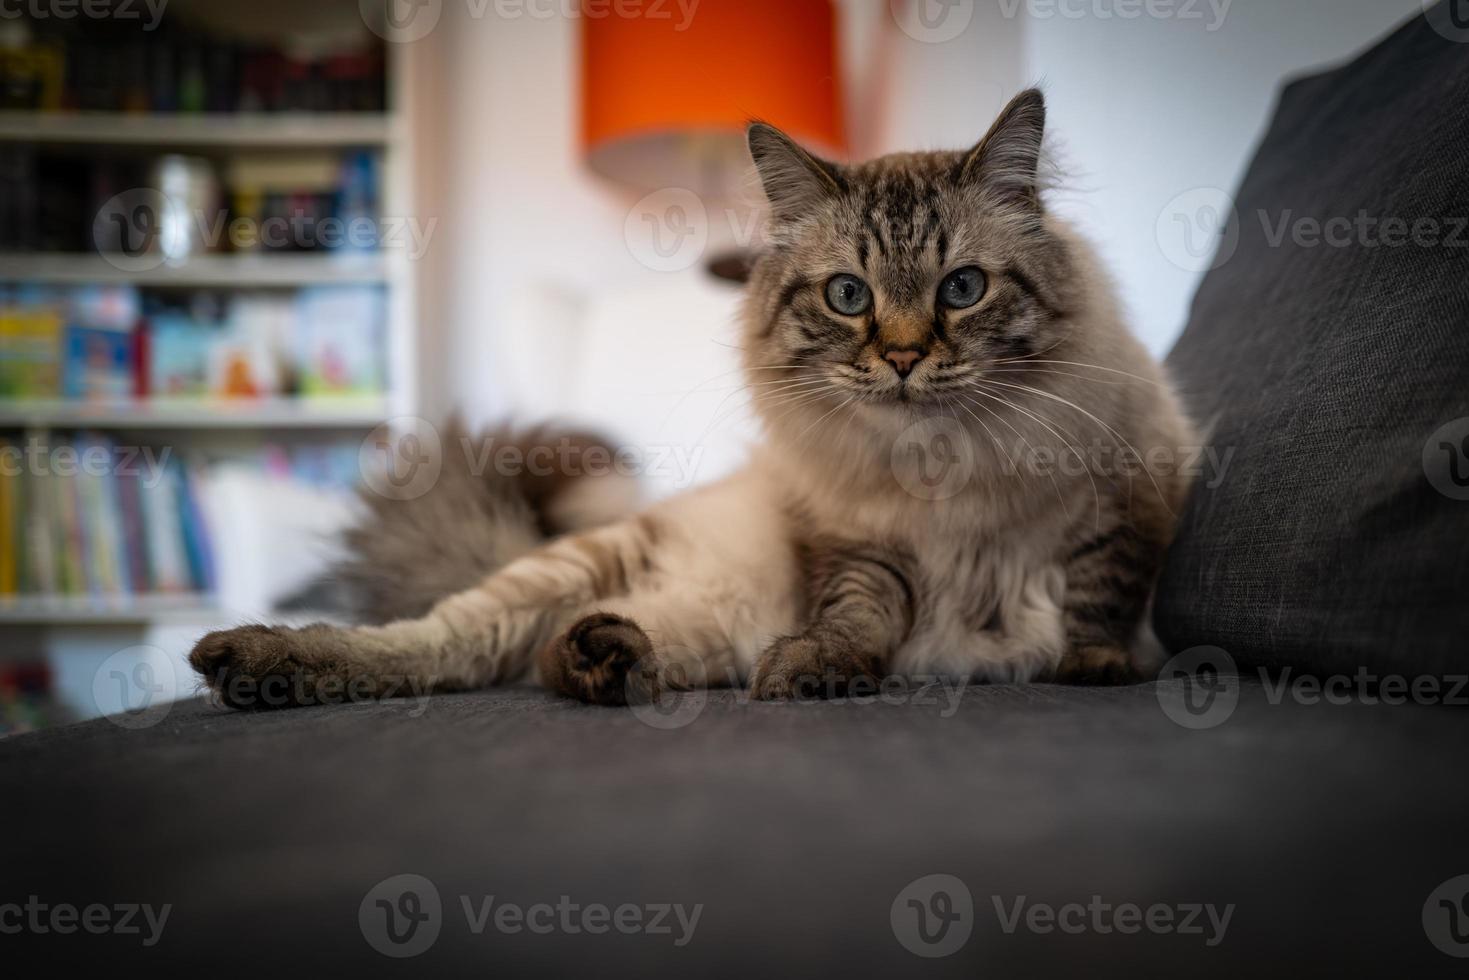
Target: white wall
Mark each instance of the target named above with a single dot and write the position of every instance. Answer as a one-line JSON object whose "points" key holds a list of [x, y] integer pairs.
{"points": [[1148, 109]]}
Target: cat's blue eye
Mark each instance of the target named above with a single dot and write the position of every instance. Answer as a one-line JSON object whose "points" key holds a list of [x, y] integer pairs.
{"points": [[962, 288], [848, 295]]}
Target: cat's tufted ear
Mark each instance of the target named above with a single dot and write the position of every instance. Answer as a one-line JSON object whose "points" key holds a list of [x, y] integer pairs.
{"points": [[1007, 160], [794, 180]]}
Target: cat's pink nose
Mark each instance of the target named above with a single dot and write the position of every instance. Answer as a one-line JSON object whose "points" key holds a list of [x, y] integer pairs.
{"points": [[903, 360]]}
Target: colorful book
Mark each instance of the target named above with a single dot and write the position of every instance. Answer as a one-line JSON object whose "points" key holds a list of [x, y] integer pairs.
{"points": [[178, 350], [340, 336], [135, 541], [9, 544], [98, 348], [167, 554], [196, 532], [68, 534], [30, 351], [102, 522], [40, 541], [98, 365]]}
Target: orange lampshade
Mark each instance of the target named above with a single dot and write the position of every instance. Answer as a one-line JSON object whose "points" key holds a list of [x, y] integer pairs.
{"points": [[665, 99]]}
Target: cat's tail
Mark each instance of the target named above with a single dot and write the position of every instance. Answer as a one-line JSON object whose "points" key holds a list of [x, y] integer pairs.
{"points": [[499, 494]]}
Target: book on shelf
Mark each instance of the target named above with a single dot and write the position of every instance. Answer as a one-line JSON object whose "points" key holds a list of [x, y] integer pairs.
{"points": [[108, 344], [10, 528], [89, 518], [37, 533], [55, 201], [31, 332], [53, 64]]}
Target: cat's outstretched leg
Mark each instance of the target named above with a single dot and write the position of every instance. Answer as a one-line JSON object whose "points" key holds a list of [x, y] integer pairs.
{"points": [[486, 635]]}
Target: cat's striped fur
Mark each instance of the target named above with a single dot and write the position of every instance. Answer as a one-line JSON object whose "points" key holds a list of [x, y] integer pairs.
{"points": [[827, 558]]}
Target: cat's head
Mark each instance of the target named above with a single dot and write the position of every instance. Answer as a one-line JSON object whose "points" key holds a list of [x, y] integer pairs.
{"points": [[891, 285]]}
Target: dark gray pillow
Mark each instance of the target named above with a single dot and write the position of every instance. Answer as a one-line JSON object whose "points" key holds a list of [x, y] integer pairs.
{"points": [[1334, 361]]}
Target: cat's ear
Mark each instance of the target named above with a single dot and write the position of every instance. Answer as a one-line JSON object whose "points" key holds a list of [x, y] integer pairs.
{"points": [[794, 180], [1007, 160]]}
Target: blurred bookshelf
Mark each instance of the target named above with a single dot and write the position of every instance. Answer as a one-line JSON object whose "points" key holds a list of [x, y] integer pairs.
{"points": [[206, 130], [190, 414], [137, 610], [198, 272], [265, 440]]}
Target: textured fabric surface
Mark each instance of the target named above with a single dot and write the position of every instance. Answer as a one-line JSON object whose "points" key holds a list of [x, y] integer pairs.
{"points": [[795, 826], [1327, 362]]}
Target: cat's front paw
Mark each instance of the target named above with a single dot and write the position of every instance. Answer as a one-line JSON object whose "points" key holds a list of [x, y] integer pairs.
{"points": [[603, 659], [239, 664], [804, 668]]}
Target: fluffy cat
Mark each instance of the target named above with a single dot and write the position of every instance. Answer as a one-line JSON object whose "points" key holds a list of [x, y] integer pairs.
{"points": [[965, 473]]}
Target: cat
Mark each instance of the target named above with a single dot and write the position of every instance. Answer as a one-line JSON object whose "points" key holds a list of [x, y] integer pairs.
{"points": [[964, 473]]}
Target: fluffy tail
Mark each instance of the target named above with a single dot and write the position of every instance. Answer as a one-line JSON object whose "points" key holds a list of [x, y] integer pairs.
{"points": [[499, 495]]}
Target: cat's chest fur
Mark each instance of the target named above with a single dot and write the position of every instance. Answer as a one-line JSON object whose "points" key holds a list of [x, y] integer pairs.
{"points": [[984, 608], [987, 585]]}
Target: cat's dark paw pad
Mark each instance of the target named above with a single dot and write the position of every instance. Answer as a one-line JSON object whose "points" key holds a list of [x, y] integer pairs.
{"points": [[599, 655], [800, 668], [1096, 665]]}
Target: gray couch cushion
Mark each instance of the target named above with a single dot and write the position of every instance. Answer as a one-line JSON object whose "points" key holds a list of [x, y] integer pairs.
{"points": [[796, 826], [1339, 376]]}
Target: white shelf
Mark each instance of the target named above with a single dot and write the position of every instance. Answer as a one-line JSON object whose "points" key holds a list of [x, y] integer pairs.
{"points": [[188, 414], [242, 271], [140, 610], [202, 130]]}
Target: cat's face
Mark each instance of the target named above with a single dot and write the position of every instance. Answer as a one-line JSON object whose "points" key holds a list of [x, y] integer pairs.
{"points": [[892, 285]]}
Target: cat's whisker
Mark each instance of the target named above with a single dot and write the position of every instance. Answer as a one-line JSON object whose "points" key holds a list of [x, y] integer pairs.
{"points": [[823, 418], [773, 399], [998, 444], [758, 384], [1006, 422], [791, 383], [1095, 367], [1162, 497], [1062, 374], [856, 403], [687, 394], [1038, 353], [1049, 427], [802, 400], [777, 397]]}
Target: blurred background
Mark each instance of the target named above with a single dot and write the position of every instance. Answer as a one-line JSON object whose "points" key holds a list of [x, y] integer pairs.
{"points": [[243, 243]]}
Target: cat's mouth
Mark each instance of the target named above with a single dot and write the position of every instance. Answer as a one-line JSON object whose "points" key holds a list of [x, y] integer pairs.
{"points": [[905, 393]]}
